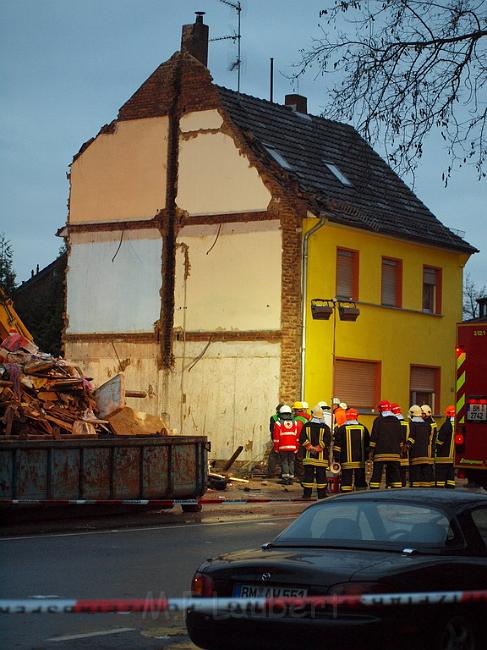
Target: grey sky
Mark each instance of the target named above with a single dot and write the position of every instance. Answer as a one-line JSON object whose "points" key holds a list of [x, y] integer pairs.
{"points": [[67, 66]]}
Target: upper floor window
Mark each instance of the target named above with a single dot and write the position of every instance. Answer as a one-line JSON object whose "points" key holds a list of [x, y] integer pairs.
{"points": [[347, 274], [391, 282], [431, 290]]}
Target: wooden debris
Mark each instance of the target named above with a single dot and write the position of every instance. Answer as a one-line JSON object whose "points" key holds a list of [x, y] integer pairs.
{"points": [[232, 459]]}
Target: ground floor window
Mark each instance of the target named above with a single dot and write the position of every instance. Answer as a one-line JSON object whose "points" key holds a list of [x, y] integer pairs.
{"points": [[357, 382], [424, 386]]}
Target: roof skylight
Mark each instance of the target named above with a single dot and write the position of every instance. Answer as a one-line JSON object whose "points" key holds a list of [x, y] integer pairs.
{"points": [[337, 173], [278, 157]]}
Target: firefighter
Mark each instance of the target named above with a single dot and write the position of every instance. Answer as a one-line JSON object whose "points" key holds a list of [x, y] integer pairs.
{"points": [[445, 451], [300, 410], [273, 459], [316, 442], [396, 409], [427, 416], [338, 411], [285, 439], [385, 447], [327, 419], [420, 444], [301, 415], [273, 419], [350, 450]]}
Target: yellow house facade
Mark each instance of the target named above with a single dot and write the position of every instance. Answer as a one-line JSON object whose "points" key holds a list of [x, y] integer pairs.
{"points": [[394, 341]]}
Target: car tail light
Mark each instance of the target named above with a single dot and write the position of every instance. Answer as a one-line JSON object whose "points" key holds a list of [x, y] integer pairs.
{"points": [[202, 585], [460, 473], [357, 588]]}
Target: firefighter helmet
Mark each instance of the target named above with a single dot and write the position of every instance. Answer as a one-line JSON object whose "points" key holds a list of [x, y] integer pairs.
{"points": [[324, 405], [317, 412], [351, 414], [450, 411], [384, 405], [396, 409], [415, 411], [426, 410], [285, 412], [343, 405]]}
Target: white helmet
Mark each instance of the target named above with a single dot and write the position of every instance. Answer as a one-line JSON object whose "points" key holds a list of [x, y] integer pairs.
{"points": [[426, 410], [415, 411], [285, 409]]}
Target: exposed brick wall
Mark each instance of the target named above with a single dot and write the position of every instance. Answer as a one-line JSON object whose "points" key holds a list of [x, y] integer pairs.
{"points": [[155, 96]]}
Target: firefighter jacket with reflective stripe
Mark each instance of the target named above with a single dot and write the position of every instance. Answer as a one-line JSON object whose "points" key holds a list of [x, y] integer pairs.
{"points": [[385, 439], [351, 445], [316, 434], [420, 442], [404, 449], [434, 426], [286, 435], [445, 442]]}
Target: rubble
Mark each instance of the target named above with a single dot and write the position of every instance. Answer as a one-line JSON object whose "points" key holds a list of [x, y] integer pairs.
{"points": [[43, 397]]}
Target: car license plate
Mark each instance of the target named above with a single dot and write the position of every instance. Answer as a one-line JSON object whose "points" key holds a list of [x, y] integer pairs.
{"points": [[267, 591]]}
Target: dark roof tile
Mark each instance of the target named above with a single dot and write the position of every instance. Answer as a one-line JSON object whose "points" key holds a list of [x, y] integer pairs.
{"points": [[376, 199]]}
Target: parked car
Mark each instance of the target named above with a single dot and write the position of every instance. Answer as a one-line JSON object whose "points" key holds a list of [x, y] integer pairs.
{"points": [[390, 541]]}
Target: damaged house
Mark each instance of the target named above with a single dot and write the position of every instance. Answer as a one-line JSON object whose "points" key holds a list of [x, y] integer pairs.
{"points": [[201, 224]]}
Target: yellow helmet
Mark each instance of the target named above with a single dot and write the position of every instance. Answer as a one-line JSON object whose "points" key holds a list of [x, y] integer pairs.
{"points": [[298, 406]]}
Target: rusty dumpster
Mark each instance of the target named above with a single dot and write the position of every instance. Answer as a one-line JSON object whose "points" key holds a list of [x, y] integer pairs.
{"points": [[169, 467]]}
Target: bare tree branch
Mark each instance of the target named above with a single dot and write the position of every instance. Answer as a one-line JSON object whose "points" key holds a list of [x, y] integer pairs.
{"points": [[404, 68]]}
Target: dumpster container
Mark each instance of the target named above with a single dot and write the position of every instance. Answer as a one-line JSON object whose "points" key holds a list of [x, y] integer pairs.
{"points": [[169, 467]]}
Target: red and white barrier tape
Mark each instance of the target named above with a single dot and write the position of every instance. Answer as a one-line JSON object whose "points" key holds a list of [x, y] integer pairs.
{"points": [[167, 503], [235, 605]]}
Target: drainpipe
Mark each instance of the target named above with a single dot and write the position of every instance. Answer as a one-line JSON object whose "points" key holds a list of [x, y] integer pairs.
{"points": [[304, 293]]}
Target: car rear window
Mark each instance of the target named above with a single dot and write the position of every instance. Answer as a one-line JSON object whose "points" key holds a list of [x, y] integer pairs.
{"points": [[366, 521], [479, 517]]}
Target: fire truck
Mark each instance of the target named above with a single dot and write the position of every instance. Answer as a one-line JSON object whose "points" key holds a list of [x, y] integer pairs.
{"points": [[471, 398]]}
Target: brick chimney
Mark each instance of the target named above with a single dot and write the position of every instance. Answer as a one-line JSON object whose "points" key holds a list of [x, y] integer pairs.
{"points": [[297, 102], [194, 39]]}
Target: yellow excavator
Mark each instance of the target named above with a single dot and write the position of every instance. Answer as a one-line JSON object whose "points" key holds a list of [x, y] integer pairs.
{"points": [[9, 319]]}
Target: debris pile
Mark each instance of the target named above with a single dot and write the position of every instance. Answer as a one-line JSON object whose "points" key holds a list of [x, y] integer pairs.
{"points": [[43, 396]]}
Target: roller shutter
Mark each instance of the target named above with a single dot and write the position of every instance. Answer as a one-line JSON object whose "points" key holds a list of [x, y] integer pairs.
{"points": [[357, 382]]}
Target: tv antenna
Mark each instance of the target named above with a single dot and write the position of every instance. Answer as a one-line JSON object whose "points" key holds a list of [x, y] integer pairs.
{"points": [[235, 37]]}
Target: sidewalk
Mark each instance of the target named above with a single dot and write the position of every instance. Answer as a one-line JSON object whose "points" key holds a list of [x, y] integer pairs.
{"points": [[257, 488]]}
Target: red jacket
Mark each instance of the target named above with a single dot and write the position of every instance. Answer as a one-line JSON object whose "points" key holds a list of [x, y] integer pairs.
{"points": [[286, 434]]}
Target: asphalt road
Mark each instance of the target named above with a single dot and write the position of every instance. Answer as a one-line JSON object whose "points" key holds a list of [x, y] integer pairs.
{"points": [[155, 561]]}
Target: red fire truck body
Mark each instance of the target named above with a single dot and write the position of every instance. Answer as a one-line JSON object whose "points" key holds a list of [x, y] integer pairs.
{"points": [[471, 401]]}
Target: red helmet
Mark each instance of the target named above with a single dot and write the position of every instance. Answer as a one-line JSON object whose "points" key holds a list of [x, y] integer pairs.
{"points": [[396, 409], [384, 405], [450, 411], [351, 414]]}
